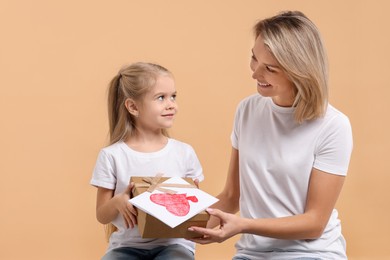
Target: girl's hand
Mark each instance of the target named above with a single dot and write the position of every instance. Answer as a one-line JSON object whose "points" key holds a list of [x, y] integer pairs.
{"points": [[230, 225], [196, 181], [125, 208]]}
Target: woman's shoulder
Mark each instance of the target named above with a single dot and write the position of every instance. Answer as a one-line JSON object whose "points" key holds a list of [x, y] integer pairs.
{"points": [[254, 99], [334, 121], [336, 116], [252, 103]]}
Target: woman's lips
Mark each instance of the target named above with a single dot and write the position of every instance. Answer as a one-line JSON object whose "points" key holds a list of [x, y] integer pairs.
{"points": [[260, 84]]}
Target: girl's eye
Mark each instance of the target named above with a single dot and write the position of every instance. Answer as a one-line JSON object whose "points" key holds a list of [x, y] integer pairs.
{"points": [[161, 98], [173, 97]]}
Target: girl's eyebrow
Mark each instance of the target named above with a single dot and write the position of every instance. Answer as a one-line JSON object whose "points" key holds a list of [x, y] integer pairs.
{"points": [[164, 93]]}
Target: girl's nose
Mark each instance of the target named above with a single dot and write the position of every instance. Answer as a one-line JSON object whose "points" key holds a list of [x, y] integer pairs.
{"points": [[170, 104]]}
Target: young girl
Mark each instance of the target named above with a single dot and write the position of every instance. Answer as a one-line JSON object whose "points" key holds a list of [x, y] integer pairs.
{"points": [[141, 106]]}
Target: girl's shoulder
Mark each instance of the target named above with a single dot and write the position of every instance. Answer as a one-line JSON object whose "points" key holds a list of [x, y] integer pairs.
{"points": [[113, 148], [178, 143], [180, 146]]}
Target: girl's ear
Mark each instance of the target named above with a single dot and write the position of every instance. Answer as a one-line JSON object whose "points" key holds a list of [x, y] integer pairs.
{"points": [[132, 107]]}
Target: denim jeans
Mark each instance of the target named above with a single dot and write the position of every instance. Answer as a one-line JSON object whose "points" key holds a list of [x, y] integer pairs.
{"points": [[300, 258], [306, 258], [240, 258], [171, 252]]}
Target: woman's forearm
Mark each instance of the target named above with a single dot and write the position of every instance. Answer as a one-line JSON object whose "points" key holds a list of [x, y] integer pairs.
{"points": [[298, 227]]}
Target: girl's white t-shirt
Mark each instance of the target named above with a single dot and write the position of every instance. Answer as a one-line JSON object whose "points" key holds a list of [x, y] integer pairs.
{"points": [[118, 162], [276, 157]]}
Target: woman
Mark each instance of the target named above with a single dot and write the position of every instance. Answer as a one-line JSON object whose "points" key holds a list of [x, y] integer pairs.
{"points": [[290, 152]]}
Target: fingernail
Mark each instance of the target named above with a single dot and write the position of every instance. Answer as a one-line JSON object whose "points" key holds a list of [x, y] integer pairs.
{"points": [[190, 229], [209, 210]]}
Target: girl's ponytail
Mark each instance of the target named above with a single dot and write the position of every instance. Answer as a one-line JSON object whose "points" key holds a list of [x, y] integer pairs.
{"points": [[113, 104], [119, 119]]}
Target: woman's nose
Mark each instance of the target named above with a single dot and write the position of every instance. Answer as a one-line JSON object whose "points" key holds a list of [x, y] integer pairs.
{"points": [[253, 75], [256, 72]]}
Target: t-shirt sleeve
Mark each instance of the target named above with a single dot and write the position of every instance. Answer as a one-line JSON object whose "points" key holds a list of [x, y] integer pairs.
{"points": [[335, 147], [194, 168], [104, 172], [236, 126]]}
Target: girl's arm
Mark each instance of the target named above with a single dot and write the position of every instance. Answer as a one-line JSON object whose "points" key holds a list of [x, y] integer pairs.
{"points": [[109, 206], [229, 197], [323, 191]]}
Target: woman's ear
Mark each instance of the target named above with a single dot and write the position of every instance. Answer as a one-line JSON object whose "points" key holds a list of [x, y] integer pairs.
{"points": [[132, 107]]}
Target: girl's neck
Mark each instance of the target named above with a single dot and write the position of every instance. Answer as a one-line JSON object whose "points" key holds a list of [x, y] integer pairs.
{"points": [[147, 142]]}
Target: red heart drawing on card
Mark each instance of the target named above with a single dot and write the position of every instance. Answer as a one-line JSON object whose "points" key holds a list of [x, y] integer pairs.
{"points": [[177, 204]]}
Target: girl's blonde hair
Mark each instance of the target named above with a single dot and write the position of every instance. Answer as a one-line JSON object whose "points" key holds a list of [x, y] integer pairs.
{"points": [[296, 44], [132, 81]]}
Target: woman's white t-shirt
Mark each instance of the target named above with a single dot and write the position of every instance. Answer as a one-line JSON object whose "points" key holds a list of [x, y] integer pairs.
{"points": [[276, 157], [118, 162]]}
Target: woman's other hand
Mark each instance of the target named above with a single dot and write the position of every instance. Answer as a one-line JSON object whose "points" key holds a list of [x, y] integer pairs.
{"points": [[230, 225]]}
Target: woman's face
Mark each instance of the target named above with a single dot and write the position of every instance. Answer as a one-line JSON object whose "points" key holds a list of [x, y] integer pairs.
{"points": [[272, 81]]}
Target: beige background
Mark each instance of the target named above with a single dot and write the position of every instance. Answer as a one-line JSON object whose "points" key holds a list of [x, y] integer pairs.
{"points": [[56, 58]]}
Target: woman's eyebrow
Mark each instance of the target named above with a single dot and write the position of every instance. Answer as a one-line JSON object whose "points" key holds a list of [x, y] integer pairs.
{"points": [[272, 66], [266, 64]]}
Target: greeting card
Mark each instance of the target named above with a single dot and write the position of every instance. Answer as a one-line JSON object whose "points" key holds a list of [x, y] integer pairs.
{"points": [[180, 203]]}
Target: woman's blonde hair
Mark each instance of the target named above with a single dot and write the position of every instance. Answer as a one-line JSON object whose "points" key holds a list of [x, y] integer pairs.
{"points": [[132, 81], [296, 44]]}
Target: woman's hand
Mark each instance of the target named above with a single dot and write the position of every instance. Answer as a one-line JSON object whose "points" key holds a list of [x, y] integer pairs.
{"points": [[125, 208], [230, 225]]}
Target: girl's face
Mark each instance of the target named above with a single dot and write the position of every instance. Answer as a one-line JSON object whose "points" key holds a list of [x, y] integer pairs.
{"points": [[158, 107], [272, 81]]}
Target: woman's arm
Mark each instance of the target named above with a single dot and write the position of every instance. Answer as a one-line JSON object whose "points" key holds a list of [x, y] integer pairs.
{"points": [[323, 191], [230, 195], [109, 206]]}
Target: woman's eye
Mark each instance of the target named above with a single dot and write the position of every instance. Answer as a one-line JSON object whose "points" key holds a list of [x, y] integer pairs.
{"points": [[269, 69]]}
